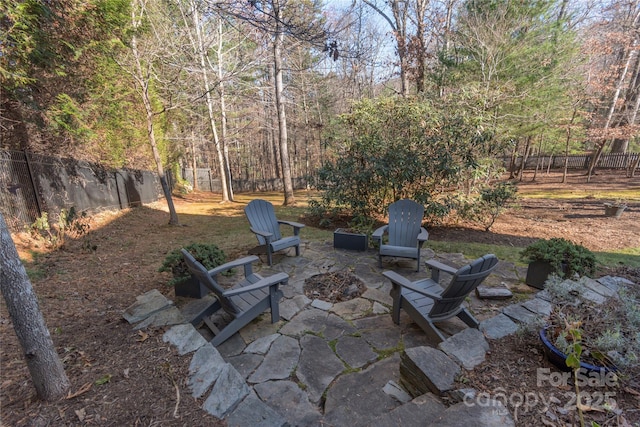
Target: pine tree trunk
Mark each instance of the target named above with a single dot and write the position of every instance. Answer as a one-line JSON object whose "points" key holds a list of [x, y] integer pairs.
{"points": [[289, 198], [46, 369]]}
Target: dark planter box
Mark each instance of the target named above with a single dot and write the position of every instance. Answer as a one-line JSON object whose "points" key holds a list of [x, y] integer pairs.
{"points": [[537, 273], [351, 241], [191, 288], [614, 211]]}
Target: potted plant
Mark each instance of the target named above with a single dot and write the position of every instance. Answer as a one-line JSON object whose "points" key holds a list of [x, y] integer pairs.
{"points": [[585, 336], [355, 236], [615, 208], [556, 256], [185, 285]]}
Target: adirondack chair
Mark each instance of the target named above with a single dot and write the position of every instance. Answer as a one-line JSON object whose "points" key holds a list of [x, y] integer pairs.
{"points": [[426, 302], [263, 223], [244, 301], [405, 232]]}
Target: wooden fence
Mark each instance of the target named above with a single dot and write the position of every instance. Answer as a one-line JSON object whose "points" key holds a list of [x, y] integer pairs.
{"points": [[575, 161]]}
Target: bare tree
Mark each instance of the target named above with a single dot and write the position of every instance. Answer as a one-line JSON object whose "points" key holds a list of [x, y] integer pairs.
{"points": [[278, 40], [618, 75], [399, 11], [223, 109], [45, 367], [143, 73], [200, 48], [280, 19]]}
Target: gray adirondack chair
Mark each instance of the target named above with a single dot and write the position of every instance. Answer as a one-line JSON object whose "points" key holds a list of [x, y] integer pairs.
{"points": [[263, 223], [426, 302], [405, 232], [244, 301]]}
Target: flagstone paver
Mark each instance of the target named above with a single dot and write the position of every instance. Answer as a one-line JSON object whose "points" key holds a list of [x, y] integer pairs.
{"points": [[538, 306], [348, 399], [520, 314], [355, 351], [146, 305], [468, 347], [279, 363], [498, 327], [228, 391], [205, 368], [287, 398], [318, 366], [351, 352]]}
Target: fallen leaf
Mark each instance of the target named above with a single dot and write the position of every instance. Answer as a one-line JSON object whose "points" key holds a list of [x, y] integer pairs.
{"points": [[143, 336], [105, 379], [588, 408], [125, 373], [81, 414], [85, 388], [632, 391]]}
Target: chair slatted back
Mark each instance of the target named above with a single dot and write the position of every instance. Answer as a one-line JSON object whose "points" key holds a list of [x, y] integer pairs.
{"points": [[463, 282], [262, 217], [201, 273], [405, 220]]}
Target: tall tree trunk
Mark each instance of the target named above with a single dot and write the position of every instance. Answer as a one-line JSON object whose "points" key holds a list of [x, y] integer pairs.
{"points": [[207, 90], [142, 79], [621, 145], [399, 10], [538, 158], [421, 10], [525, 157], [289, 198], [566, 146], [446, 46], [45, 367], [399, 28], [614, 101], [193, 161], [512, 162], [223, 115]]}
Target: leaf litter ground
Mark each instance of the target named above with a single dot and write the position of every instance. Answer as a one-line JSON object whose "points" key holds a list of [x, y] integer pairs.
{"points": [[123, 377]]}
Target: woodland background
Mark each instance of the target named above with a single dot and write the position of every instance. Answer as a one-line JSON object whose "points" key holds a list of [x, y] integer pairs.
{"points": [[264, 89]]}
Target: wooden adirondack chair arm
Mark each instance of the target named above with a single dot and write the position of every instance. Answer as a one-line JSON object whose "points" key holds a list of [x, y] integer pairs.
{"points": [[433, 264], [405, 283], [262, 283], [264, 234], [423, 236], [240, 262], [377, 234], [292, 224]]}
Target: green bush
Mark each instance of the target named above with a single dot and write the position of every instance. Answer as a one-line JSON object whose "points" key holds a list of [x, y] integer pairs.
{"points": [[389, 149], [491, 203], [559, 252], [209, 255], [70, 224]]}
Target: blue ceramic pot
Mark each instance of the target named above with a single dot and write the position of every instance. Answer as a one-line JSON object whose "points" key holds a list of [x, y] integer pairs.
{"points": [[558, 358]]}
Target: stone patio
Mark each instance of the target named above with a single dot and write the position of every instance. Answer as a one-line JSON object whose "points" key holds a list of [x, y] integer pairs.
{"points": [[346, 364]]}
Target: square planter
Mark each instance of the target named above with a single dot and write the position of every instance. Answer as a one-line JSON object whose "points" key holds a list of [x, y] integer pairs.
{"points": [[352, 241], [614, 211], [190, 288], [538, 272]]}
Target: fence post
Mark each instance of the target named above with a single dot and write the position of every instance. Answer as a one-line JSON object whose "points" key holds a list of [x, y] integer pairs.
{"points": [[115, 176], [33, 183]]}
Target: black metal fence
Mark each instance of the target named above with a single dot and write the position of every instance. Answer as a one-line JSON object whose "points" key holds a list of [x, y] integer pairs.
{"points": [[32, 184], [207, 181]]}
